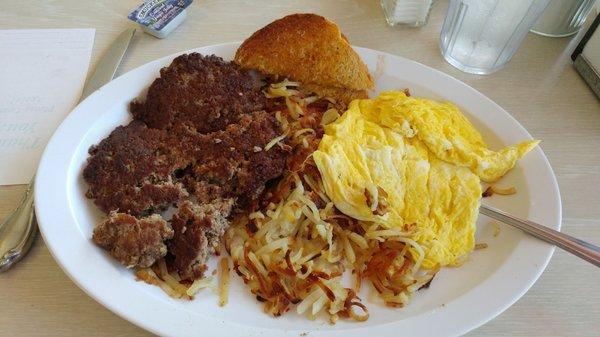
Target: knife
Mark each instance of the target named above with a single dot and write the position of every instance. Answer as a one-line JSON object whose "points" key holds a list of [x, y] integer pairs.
{"points": [[108, 64], [18, 231]]}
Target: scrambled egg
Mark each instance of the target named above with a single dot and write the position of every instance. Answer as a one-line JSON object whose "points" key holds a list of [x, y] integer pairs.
{"points": [[413, 164]]}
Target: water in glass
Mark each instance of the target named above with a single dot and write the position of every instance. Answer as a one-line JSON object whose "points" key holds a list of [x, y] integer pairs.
{"points": [[481, 36]]}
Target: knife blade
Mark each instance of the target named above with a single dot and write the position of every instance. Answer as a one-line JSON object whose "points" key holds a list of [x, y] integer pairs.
{"points": [[18, 231], [108, 64]]}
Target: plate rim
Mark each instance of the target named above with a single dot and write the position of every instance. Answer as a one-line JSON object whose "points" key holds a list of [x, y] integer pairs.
{"points": [[41, 203]]}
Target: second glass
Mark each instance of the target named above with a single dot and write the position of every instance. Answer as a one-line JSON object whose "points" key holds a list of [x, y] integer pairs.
{"points": [[563, 18], [481, 36]]}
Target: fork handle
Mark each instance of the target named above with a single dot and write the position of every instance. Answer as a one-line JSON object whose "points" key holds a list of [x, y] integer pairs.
{"points": [[580, 248], [18, 231]]}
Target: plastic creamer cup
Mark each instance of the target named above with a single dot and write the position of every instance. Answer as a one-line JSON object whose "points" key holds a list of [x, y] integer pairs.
{"points": [[160, 17]]}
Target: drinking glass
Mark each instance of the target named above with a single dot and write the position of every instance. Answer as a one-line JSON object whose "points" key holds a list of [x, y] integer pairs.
{"points": [[563, 17], [412, 13], [481, 36]]}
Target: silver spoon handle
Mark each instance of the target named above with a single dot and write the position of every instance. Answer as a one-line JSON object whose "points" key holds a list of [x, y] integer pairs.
{"points": [[18, 231], [582, 249]]}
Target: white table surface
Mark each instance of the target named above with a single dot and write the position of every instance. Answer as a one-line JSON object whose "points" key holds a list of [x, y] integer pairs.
{"points": [[539, 87]]}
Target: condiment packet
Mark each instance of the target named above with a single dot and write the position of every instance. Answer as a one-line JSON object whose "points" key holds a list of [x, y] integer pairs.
{"points": [[160, 17]]}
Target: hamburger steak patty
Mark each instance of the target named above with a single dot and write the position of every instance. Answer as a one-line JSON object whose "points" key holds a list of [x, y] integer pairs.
{"points": [[130, 170], [233, 161], [203, 92], [201, 132], [198, 231], [133, 242]]}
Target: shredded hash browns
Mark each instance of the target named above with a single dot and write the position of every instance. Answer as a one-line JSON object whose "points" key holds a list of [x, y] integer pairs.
{"points": [[296, 251]]}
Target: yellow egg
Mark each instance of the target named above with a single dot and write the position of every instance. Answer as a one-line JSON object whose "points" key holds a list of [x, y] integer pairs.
{"points": [[446, 132], [422, 160]]}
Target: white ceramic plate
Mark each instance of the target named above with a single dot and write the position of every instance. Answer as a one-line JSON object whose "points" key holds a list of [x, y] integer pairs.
{"points": [[459, 299]]}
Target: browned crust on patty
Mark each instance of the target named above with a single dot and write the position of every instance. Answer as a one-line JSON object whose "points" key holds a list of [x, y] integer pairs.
{"points": [[233, 161], [202, 92], [141, 169], [130, 170]]}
